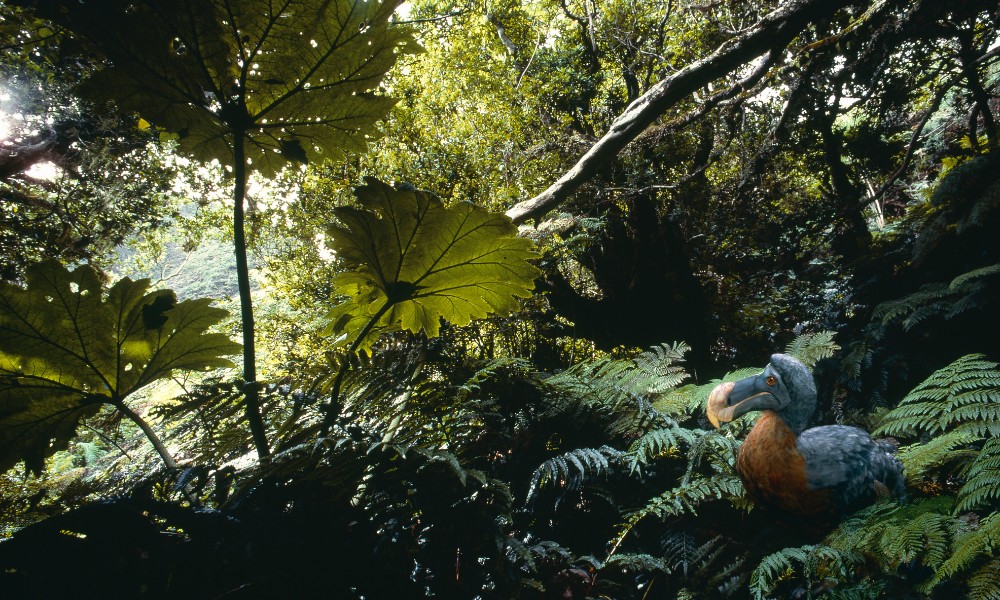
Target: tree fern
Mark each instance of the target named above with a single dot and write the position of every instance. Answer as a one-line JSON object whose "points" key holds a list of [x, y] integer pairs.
{"points": [[982, 483], [686, 497], [488, 371], [939, 300], [892, 535], [573, 467], [781, 565], [659, 442], [637, 562], [621, 390], [810, 348], [660, 362], [984, 584], [970, 548], [964, 396], [920, 459], [651, 373]]}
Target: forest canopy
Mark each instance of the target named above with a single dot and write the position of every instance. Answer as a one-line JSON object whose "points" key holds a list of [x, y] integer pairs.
{"points": [[385, 299]]}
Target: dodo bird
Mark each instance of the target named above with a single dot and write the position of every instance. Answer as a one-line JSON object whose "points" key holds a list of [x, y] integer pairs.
{"points": [[823, 472]]}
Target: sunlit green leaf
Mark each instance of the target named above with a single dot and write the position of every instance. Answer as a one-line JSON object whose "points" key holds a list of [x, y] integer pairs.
{"points": [[418, 262], [297, 78], [67, 347]]}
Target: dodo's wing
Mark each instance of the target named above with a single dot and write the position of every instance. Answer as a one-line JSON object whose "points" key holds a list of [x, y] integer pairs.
{"points": [[839, 458]]}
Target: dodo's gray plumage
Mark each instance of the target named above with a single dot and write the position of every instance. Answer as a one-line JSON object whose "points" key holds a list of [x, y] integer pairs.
{"points": [[828, 470]]}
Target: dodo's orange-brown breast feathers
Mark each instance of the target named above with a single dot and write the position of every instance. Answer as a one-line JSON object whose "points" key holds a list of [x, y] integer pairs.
{"points": [[774, 471]]}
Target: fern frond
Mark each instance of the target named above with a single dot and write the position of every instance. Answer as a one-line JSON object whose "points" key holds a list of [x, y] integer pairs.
{"points": [[528, 557], [984, 584], [780, 565], [721, 450], [918, 459], [661, 363], [637, 562], [964, 396], [926, 536], [622, 391], [982, 483], [969, 548], [894, 534], [686, 497], [573, 467], [490, 371], [974, 275], [659, 442], [862, 590], [810, 348], [962, 294]]}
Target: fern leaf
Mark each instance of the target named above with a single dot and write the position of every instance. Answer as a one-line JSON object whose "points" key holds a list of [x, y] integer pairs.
{"points": [[690, 399], [686, 497], [974, 275], [779, 566], [637, 562], [984, 584], [918, 459], [810, 348], [575, 465], [969, 548], [982, 484], [964, 395], [659, 442]]}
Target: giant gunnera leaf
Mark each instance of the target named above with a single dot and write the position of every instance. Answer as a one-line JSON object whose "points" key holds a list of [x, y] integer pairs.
{"points": [[67, 347], [417, 262], [298, 78]]}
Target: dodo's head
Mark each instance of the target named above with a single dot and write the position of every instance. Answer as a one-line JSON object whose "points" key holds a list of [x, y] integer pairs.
{"points": [[785, 386]]}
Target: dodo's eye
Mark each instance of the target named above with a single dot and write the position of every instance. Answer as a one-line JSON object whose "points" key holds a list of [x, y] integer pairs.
{"points": [[771, 380]]}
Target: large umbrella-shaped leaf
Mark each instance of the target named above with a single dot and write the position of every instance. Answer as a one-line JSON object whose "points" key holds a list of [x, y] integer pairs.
{"points": [[418, 262], [67, 347], [297, 78]]}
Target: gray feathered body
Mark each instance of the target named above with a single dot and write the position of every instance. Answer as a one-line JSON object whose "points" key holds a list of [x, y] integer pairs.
{"points": [[849, 463]]}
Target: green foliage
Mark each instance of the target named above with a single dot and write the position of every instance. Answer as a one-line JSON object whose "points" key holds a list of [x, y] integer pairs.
{"points": [[690, 399], [982, 479], [962, 397], [956, 405], [569, 469], [416, 262], [970, 548], [621, 383], [296, 78], [68, 346], [809, 348], [686, 497], [781, 565], [660, 442], [965, 292], [922, 460]]}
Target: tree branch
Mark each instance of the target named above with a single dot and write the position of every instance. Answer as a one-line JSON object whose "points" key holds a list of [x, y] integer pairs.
{"points": [[774, 31]]}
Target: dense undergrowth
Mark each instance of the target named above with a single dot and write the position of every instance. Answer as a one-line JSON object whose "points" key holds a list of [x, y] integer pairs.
{"points": [[452, 406], [491, 479]]}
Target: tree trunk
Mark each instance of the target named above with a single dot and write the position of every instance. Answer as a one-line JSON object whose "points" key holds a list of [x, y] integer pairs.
{"points": [[251, 389]]}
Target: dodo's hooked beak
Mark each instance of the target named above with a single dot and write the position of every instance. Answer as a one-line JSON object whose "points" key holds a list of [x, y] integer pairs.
{"points": [[718, 409], [731, 400]]}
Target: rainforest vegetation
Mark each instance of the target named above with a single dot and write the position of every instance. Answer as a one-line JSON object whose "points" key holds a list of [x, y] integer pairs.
{"points": [[384, 299]]}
